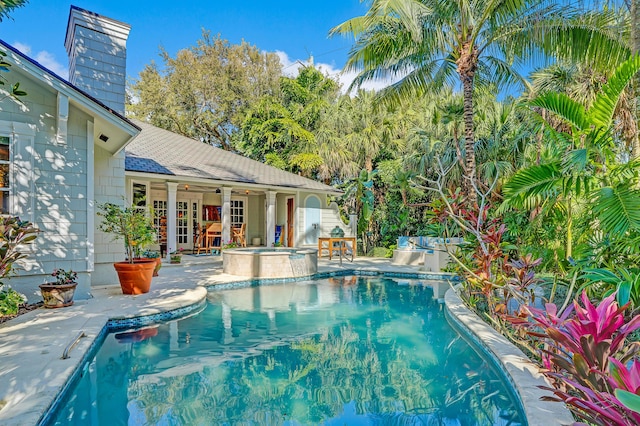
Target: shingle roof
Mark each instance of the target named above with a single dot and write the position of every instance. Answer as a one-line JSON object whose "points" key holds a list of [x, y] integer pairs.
{"points": [[160, 151]]}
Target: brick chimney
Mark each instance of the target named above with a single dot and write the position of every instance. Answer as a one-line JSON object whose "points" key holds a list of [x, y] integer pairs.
{"points": [[97, 51]]}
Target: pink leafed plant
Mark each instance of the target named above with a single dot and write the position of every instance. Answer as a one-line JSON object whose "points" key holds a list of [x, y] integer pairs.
{"points": [[586, 357]]}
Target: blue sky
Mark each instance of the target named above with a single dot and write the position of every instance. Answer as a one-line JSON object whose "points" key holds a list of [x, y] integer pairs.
{"points": [[296, 29]]}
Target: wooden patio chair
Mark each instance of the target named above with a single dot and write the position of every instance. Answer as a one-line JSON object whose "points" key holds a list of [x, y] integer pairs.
{"points": [[239, 235], [200, 244], [213, 237]]}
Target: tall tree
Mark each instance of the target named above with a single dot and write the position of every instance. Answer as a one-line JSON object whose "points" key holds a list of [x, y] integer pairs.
{"points": [[281, 130], [434, 42], [205, 91]]}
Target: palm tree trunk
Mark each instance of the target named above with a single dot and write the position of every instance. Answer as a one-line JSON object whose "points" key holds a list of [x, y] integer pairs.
{"points": [[467, 64], [469, 142]]}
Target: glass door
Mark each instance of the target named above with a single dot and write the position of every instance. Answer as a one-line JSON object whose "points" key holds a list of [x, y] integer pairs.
{"points": [[182, 223]]}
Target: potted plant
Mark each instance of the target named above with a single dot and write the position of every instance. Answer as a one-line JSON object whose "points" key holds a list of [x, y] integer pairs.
{"points": [[230, 245], [135, 227], [151, 254], [176, 256], [59, 294]]}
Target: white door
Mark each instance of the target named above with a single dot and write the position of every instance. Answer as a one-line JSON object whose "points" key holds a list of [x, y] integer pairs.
{"points": [[312, 220]]}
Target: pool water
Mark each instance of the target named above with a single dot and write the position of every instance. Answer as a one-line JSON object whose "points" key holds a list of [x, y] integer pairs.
{"points": [[340, 351]]}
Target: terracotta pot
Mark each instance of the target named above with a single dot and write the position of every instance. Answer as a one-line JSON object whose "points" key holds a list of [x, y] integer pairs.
{"points": [[57, 296], [158, 263], [135, 278]]}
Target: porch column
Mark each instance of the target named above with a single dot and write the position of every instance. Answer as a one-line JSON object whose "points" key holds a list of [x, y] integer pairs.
{"points": [[271, 218], [226, 215], [172, 188], [353, 224]]}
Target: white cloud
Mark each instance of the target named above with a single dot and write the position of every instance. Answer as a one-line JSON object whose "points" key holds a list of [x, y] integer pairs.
{"points": [[22, 47], [291, 67], [44, 58], [47, 60]]}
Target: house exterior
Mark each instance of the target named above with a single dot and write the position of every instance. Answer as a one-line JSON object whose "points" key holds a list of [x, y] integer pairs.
{"points": [[67, 147]]}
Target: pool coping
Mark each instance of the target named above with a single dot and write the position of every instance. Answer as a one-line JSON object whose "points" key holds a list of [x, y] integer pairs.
{"points": [[36, 401], [523, 375]]}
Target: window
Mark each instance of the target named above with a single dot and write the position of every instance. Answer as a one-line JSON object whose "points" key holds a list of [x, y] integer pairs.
{"points": [[237, 212], [139, 193], [160, 219], [182, 228], [5, 181]]}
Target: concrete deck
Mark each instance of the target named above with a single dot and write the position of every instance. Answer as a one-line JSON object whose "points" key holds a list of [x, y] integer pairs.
{"points": [[32, 372]]}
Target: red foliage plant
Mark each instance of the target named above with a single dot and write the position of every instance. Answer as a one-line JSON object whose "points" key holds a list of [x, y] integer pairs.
{"points": [[586, 357]]}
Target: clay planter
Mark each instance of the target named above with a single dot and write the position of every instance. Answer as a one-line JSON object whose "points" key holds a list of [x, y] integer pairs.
{"points": [[135, 278], [158, 264], [57, 296]]}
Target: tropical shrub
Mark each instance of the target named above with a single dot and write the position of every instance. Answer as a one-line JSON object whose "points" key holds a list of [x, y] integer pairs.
{"points": [[10, 301], [131, 224], [14, 235], [587, 358]]}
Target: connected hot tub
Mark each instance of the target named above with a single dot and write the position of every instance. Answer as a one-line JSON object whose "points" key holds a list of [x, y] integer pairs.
{"points": [[270, 262]]}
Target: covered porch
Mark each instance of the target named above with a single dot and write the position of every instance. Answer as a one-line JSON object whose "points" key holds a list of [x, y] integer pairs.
{"points": [[190, 185], [183, 210]]}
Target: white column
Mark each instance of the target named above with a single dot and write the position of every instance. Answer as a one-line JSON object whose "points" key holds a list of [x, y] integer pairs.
{"points": [[226, 215], [353, 224], [91, 173], [172, 188], [271, 218]]}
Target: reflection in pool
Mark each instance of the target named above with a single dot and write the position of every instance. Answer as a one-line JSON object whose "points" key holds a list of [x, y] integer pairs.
{"points": [[348, 350]]}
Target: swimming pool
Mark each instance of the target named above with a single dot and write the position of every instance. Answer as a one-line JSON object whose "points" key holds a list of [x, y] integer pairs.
{"points": [[347, 350]]}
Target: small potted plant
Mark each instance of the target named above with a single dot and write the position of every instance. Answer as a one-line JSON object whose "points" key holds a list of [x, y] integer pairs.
{"points": [[135, 227], [59, 294], [230, 245], [176, 256], [151, 254]]}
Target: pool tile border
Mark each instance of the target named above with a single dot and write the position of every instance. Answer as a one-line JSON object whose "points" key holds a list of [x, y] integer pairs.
{"points": [[115, 324], [118, 324]]}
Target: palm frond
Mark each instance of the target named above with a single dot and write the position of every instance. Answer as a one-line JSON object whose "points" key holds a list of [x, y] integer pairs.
{"points": [[601, 112], [617, 208], [564, 106], [533, 184]]}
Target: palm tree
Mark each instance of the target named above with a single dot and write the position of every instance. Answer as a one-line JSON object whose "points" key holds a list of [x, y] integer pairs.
{"points": [[433, 42], [584, 173]]}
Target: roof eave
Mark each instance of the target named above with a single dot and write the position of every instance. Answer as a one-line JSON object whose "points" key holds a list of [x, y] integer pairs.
{"points": [[206, 181], [81, 98]]}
